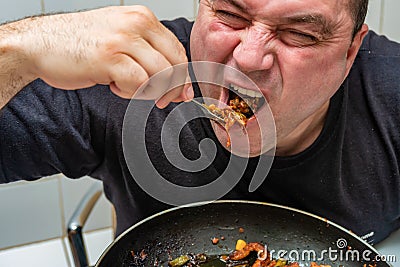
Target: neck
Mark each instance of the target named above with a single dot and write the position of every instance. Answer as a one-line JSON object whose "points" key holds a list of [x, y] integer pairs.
{"points": [[304, 134]]}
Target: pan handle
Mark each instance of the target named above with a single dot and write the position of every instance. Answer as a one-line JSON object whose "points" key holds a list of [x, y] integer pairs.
{"points": [[77, 221]]}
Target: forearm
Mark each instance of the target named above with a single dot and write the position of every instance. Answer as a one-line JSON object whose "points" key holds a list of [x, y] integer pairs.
{"points": [[113, 46], [14, 63]]}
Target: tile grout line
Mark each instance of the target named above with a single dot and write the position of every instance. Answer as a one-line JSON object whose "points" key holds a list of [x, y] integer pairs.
{"points": [[62, 214], [61, 206], [381, 16], [26, 182], [42, 6], [62, 239], [194, 8], [37, 242], [65, 249]]}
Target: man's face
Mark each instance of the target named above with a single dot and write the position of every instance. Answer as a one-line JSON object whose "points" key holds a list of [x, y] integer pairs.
{"points": [[298, 52]]}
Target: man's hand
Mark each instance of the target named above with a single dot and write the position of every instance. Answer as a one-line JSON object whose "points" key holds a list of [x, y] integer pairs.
{"points": [[120, 46]]}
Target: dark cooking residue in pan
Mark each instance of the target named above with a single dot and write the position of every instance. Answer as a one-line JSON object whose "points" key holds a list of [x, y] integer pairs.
{"points": [[190, 230], [252, 254]]}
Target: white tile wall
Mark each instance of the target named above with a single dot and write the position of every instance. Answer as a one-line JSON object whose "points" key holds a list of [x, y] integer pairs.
{"points": [[16, 9], [196, 7], [40, 210], [163, 9], [72, 193], [45, 254], [33, 225], [56, 252], [374, 15], [391, 247], [391, 19], [167, 9], [74, 5], [96, 242], [29, 212]]}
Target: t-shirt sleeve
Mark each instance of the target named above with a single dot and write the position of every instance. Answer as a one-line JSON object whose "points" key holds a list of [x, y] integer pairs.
{"points": [[44, 131]]}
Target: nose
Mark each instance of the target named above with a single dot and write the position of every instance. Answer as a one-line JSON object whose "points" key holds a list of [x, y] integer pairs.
{"points": [[254, 53]]}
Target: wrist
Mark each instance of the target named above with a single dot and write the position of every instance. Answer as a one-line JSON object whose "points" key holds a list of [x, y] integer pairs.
{"points": [[15, 51]]}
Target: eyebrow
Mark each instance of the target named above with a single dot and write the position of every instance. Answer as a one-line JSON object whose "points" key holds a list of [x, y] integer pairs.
{"points": [[234, 3], [313, 19]]}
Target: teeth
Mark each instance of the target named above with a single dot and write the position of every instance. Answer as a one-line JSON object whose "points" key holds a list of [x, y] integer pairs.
{"points": [[245, 92]]}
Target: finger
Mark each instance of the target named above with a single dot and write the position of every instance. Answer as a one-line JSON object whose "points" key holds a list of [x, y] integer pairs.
{"points": [[181, 89], [162, 75], [161, 81], [156, 86], [164, 41], [180, 75], [186, 95], [151, 60], [187, 92], [173, 50], [126, 76], [156, 34], [168, 97], [116, 90], [160, 84]]}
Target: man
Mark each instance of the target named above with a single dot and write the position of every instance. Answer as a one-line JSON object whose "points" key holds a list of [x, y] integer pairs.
{"points": [[336, 122]]}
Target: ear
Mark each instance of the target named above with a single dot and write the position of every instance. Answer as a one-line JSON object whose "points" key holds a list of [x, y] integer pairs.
{"points": [[355, 46]]}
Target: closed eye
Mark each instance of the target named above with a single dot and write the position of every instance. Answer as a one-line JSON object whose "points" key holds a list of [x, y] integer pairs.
{"points": [[297, 38], [231, 19], [304, 35]]}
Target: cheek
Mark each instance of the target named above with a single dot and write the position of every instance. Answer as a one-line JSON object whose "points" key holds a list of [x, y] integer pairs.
{"points": [[309, 79], [212, 42], [312, 74]]}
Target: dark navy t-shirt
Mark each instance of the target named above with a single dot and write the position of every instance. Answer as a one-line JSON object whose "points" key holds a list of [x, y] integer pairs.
{"points": [[349, 175]]}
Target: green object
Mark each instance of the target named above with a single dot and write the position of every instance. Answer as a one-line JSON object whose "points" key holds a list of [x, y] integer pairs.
{"points": [[280, 263], [181, 260]]}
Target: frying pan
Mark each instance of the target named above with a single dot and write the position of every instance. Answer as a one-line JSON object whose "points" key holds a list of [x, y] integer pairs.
{"points": [[189, 229]]}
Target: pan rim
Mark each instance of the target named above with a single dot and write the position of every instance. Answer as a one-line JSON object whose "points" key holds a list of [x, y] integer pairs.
{"points": [[202, 203]]}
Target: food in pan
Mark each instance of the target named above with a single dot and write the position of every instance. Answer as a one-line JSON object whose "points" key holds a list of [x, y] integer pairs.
{"points": [[252, 254]]}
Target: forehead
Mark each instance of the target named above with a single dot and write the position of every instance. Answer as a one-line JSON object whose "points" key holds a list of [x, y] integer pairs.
{"points": [[332, 17], [328, 8]]}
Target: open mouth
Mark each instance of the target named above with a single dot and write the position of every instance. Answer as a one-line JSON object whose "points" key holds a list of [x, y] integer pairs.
{"points": [[241, 106], [244, 101]]}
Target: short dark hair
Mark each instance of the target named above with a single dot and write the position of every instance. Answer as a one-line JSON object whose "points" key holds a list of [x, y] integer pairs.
{"points": [[358, 11]]}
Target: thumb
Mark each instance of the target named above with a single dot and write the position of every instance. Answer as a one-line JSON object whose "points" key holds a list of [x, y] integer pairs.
{"points": [[187, 92]]}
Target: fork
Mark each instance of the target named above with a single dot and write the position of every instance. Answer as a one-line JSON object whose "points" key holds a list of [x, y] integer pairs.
{"points": [[208, 112]]}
